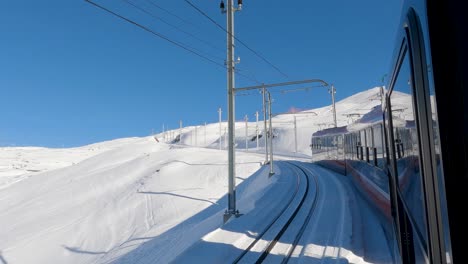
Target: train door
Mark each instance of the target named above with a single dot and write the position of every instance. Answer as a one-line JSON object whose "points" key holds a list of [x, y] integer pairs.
{"points": [[416, 200]]}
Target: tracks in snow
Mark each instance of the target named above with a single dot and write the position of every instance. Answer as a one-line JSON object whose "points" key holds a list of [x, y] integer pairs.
{"points": [[303, 218], [289, 225]]}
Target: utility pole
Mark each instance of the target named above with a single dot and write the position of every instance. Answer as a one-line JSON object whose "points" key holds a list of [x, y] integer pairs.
{"points": [[256, 128], [220, 135], [225, 137], [382, 97], [382, 92], [180, 131], [246, 118], [271, 135], [333, 92], [263, 87], [230, 63], [295, 135], [265, 124]]}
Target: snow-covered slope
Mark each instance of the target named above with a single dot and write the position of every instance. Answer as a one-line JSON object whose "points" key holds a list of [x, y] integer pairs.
{"points": [[348, 110], [96, 203], [111, 202], [18, 163]]}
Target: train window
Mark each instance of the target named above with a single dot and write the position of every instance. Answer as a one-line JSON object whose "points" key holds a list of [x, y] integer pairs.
{"points": [[349, 146], [353, 146], [406, 149], [369, 136], [379, 145], [370, 145], [339, 145], [356, 144]]}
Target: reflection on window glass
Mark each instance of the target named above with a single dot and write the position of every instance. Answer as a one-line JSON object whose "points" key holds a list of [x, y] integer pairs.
{"points": [[407, 150], [379, 144]]}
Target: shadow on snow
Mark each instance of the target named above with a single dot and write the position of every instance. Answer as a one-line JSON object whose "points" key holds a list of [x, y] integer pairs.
{"points": [[190, 232]]}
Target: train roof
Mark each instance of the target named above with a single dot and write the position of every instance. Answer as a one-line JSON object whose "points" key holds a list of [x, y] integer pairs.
{"points": [[374, 116], [331, 131]]}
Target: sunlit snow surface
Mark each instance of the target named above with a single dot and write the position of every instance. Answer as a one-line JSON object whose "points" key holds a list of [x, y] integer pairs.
{"points": [[141, 200]]}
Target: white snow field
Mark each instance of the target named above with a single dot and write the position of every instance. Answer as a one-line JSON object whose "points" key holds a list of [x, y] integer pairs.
{"points": [[147, 200], [17, 163]]}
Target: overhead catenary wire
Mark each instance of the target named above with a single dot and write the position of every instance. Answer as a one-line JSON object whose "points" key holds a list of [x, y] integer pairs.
{"points": [[157, 34], [246, 76], [250, 74], [283, 91], [170, 13], [245, 94], [176, 28], [240, 41], [306, 89], [176, 43]]}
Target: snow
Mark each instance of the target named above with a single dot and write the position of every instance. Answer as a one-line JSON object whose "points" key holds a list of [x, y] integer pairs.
{"points": [[17, 163], [110, 203], [145, 200], [235, 236], [332, 235]]}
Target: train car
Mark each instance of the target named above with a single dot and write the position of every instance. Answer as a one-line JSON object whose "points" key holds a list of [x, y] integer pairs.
{"points": [[412, 164]]}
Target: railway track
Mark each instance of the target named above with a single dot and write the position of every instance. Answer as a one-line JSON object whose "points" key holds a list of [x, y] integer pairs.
{"points": [[288, 226]]}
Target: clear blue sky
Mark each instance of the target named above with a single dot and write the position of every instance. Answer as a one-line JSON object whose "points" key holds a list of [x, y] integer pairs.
{"points": [[72, 74]]}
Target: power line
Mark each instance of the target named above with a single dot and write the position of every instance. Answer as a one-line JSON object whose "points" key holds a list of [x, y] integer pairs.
{"points": [[173, 26], [251, 75], [180, 45], [241, 42], [170, 13], [247, 77], [246, 94], [204, 14]]}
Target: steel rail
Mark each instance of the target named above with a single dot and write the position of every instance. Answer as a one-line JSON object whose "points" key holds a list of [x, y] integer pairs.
{"points": [[239, 258], [271, 244]]}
